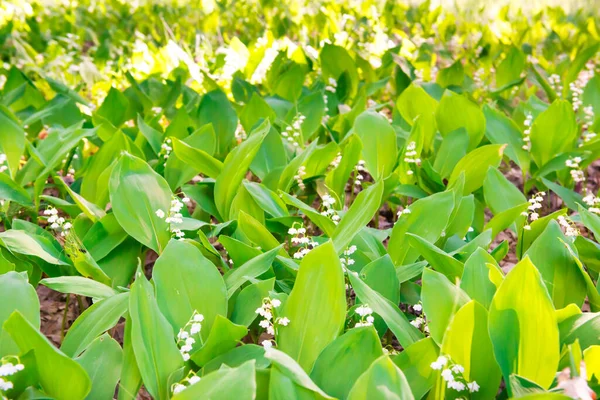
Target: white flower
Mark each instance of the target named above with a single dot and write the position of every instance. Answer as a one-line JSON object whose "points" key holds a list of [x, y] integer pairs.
{"points": [[292, 231], [275, 303], [458, 369], [370, 319], [178, 387], [283, 321], [271, 330], [190, 341], [447, 375], [193, 379], [364, 310], [182, 334], [418, 307], [185, 356], [267, 344], [456, 385], [186, 348], [264, 324], [10, 369], [439, 363], [198, 317], [160, 213], [473, 386], [196, 327]]}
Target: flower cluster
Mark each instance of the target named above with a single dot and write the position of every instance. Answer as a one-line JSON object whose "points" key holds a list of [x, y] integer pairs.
{"points": [[3, 159], [555, 83], [528, 122], [593, 202], [331, 86], [336, 161], [240, 133], [165, 151], [420, 321], [57, 223], [580, 83], [293, 132], [568, 225], [403, 211], [189, 380], [535, 203], [410, 156], [366, 318], [300, 238], [267, 311], [345, 259], [453, 374], [174, 217], [329, 211], [576, 172], [360, 167], [299, 177], [185, 336], [8, 368]]}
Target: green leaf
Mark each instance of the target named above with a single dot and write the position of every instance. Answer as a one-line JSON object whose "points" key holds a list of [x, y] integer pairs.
{"points": [[378, 143], [136, 193], [199, 159], [479, 277], [554, 131], [437, 258], [99, 318], [520, 311], [457, 111], [249, 270], [12, 140], [155, 350], [451, 151], [285, 365], [324, 223], [500, 129], [475, 166], [345, 359], [185, 287], [391, 314], [383, 380], [235, 167], [468, 343], [80, 286], [52, 366], [102, 361], [31, 245], [10, 191], [316, 306], [428, 218], [361, 211], [224, 336], [559, 271], [215, 108], [415, 101], [131, 380], [16, 294], [266, 199], [441, 300], [415, 362], [225, 384], [249, 299]]}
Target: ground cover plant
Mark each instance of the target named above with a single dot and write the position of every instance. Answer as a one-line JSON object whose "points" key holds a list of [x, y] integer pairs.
{"points": [[264, 200]]}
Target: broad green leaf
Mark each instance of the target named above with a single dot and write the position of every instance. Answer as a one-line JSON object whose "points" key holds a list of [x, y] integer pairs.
{"points": [[428, 218], [104, 236], [225, 384], [185, 281], [257, 233], [224, 336], [475, 165], [199, 159], [468, 343], [12, 140], [345, 359], [500, 194], [102, 361], [154, 347], [16, 294], [136, 193], [316, 306], [457, 111], [249, 299], [130, 381], [285, 365], [79, 285], [383, 380], [441, 300], [559, 271], [391, 314], [235, 167], [415, 362], [500, 129], [323, 222], [452, 150], [415, 101], [249, 270], [266, 199], [215, 108], [52, 365], [479, 277], [10, 191], [31, 245], [437, 258], [582, 327], [94, 321], [360, 213], [553, 132], [523, 327], [378, 143]]}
